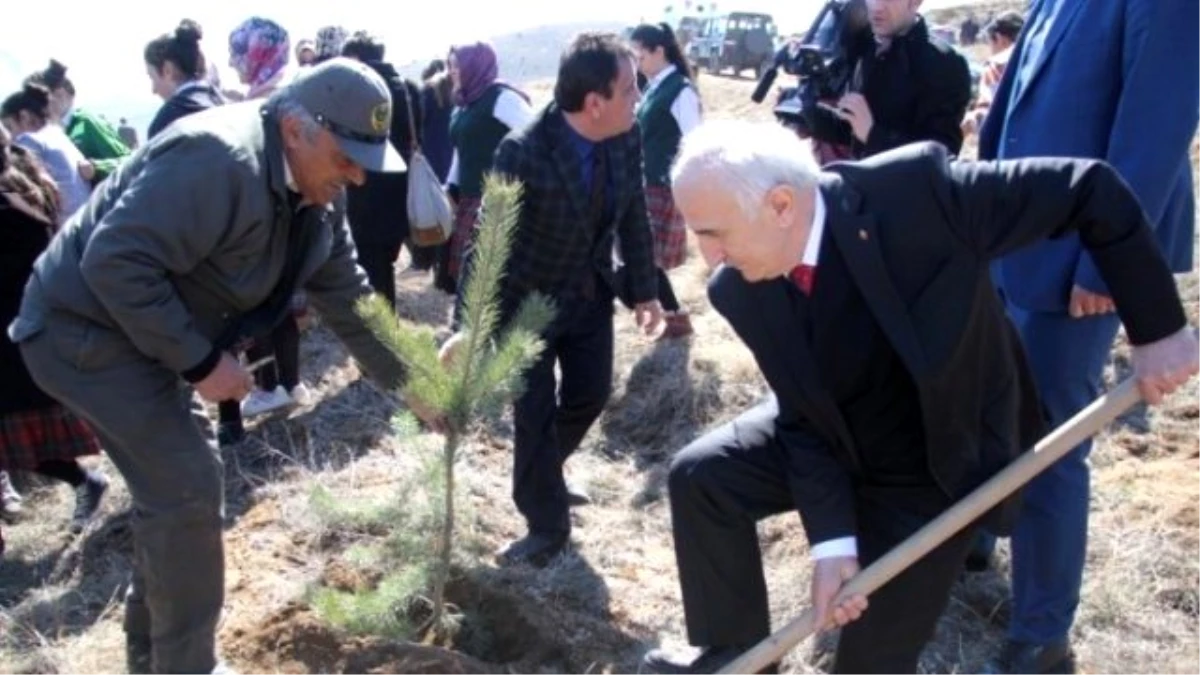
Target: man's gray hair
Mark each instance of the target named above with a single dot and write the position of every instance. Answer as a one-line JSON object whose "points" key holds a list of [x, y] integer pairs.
{"points": [[285, 105], [746, 159]]}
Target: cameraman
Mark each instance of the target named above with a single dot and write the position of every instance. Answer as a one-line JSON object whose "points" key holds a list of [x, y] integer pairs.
{"points": [[908, 85]]}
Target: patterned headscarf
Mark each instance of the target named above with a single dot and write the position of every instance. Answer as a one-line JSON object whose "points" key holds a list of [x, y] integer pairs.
{"points": [[330, 40], [259, 49], [477, 70]]}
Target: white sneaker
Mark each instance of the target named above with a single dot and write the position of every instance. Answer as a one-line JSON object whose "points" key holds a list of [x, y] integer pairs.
{"points": [[301, 395], [11, 499], [261, 402]]}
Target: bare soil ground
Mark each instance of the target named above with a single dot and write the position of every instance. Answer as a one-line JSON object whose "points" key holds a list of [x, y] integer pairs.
{"points": [[616, 594]]}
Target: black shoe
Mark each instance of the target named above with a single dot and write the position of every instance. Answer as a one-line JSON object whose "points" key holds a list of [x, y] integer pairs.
{"points": [[536, 549], [87, 501], [1019, 657], [137, 654], [577, 496], [977, 563], [706, 660]]}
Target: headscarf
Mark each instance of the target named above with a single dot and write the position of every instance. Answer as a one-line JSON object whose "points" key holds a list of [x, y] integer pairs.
{"points": [[330, 40], [477, 71], [259, 49]]}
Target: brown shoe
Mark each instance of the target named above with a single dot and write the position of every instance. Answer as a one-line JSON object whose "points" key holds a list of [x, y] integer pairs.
{"points": [[679, 325]]}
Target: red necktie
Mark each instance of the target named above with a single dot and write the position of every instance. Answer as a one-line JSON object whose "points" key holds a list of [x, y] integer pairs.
{"points": [[803, 276]]}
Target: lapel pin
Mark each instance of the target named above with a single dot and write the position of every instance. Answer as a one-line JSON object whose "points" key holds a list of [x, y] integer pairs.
{"points": [[862, 234]]}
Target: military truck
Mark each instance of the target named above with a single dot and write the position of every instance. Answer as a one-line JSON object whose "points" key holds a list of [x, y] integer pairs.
{"points": [[738, 41]]}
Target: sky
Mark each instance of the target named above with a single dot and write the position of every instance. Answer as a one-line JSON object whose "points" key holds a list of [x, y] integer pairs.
{"points": [[101, 43]]}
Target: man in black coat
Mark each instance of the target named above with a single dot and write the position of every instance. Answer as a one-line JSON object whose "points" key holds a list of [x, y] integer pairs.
{"points": [[580, 163], [908, 85], [899, 383], [378, 209]]}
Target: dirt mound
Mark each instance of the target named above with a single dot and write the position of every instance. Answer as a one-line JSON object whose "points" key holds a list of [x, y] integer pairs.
{"points": [[495, 629], [295, 640]]}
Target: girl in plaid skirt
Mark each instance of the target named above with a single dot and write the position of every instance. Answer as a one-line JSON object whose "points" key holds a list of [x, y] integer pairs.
{"points": [[36, 432], [486, 110], [670, 108]]}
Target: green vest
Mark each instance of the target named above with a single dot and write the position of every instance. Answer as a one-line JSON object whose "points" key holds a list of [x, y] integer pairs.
{"points": [[660, 131], [476, 133]]}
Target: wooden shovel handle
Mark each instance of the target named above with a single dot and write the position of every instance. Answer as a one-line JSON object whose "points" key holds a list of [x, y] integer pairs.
{"points": [[1053, 447]]}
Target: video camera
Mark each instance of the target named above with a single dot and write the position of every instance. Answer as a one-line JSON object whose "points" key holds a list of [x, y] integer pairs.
{"points": [[824, 63]]}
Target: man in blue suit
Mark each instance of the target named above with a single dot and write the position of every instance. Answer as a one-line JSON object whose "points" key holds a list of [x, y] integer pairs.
{"points": [[1115, 80]]}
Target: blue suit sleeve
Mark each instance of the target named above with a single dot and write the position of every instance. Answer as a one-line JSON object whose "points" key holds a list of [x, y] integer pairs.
{"points": [[1157, 112]]}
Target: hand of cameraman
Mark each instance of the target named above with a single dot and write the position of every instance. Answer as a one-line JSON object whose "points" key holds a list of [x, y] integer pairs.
{"points": [[854, 109]]}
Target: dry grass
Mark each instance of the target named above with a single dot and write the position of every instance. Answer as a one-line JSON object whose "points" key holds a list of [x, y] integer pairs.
{"points": [[598, 609]]}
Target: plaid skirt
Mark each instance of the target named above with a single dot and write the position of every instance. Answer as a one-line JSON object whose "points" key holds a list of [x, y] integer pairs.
{"points": [[667, 227], [30, 437], [466, 217]]}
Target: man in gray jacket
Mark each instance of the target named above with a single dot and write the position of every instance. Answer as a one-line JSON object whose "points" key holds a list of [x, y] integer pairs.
{"points": [[196, 243]]}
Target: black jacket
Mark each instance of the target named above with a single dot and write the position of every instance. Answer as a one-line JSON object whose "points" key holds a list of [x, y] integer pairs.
{"points": [[918, 90], [26, 235], [195, 98], [918, 232], [552, 244], [378, 210]]}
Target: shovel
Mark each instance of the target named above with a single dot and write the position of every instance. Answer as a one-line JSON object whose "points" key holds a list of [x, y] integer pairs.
{"points": [[1053, 447]]}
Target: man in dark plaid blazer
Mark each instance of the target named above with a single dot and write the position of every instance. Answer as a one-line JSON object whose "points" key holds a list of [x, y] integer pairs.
{"points": [[581, 165]]}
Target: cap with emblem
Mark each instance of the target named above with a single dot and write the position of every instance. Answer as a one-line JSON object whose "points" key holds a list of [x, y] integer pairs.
{"points": [[352, 102]]}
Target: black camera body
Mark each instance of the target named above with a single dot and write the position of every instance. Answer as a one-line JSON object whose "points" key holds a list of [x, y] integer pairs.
{"points": [[824, 63]]}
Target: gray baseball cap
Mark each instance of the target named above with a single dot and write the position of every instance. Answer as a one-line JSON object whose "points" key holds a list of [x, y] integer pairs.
{"points": [[353, 103]]}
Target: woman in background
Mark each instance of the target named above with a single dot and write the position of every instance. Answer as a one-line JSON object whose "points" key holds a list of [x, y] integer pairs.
{"points": [[26, 114], [436, 105], [330, 42], [92, 135], [36, 432], [669, 109], [259, 50], [487, 109], [1002, 33], [179, 75]]}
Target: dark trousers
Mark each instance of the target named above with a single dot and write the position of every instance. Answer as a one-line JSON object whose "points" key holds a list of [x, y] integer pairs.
{"points": [[285, 370], [69, 471], [551, 418], [423, 257], [666, 293], [378, 260], [159, 439], [1049, 543], [736, 475]]}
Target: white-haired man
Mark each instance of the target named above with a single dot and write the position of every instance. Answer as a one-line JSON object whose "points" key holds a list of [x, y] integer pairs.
{"points": [[899, 384]]}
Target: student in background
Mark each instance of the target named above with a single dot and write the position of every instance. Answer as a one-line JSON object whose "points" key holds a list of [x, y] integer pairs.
{"points": [[96, 139], [178, 75]]}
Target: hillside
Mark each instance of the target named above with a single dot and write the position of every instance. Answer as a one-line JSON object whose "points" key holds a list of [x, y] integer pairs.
{"points": [[527, 55], [616, 595]]}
